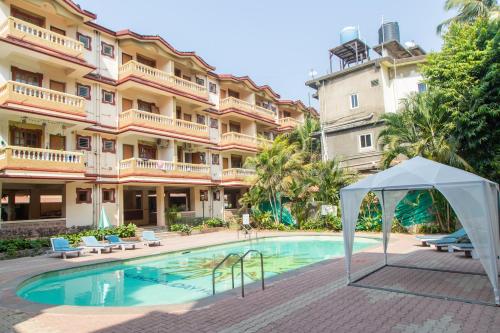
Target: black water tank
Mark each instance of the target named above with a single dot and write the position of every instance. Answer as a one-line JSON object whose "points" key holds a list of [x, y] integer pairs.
{"points": [[388, 31]]}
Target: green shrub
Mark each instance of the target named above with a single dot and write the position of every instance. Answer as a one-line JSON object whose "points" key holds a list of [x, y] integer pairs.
{"points": [[11, 246], [327, 222], [184, 228], [124, 231], [215, 223]]}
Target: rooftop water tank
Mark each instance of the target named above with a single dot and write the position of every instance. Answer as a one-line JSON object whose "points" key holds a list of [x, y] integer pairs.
{"points": [[388, 31], [348, 33]]}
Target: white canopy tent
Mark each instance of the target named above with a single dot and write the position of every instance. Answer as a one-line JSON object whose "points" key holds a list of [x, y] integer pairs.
{"points": [[474, 200]]}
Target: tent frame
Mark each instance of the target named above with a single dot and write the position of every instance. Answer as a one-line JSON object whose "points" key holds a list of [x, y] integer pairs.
{"points": [[356, 283]]}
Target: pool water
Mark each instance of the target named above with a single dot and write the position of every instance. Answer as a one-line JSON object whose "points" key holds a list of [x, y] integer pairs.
{"points": [[182, 276]]}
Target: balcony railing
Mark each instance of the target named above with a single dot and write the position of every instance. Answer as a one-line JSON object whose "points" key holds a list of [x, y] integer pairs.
{"points": [[235, 103], [289, 122], [34, 34], [34, 96], [138, 166], [158, 76], [237, 174], [243, 139], [161, 122], [26, 158]]}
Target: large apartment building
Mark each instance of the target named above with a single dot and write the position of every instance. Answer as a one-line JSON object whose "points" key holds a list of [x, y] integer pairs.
{"points": [[92, 118], [353, 98]]}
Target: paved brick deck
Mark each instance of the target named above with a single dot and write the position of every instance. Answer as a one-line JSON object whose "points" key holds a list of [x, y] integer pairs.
{"points": [[313, 299]]}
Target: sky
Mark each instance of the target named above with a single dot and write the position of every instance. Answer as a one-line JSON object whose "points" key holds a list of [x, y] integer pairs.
{"points": [[275, 42]]}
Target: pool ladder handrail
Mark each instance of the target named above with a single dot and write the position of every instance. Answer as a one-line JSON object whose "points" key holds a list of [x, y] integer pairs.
{"points": [[240, 261], [220, 264], [242, 271]]}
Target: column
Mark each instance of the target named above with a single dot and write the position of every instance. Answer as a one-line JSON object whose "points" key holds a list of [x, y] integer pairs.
{"points": [[121, 205], [160, 206], [11, 206], [34, 203], [1, 211], [145, 206]]}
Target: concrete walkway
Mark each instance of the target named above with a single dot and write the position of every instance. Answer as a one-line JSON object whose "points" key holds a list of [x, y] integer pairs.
{"points": [[312, 299]]}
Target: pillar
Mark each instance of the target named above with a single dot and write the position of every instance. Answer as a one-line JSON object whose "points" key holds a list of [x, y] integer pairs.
{"points": [[34, 204], [121, 206], [145, 206], [160, 206], [1, 211], [11, 206]]}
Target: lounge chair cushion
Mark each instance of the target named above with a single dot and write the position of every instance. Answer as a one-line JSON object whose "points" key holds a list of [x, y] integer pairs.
{"points": [[91, 241]]}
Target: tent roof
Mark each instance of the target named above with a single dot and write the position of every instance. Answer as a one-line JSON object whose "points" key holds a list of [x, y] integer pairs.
{"points": [[416, 173]]}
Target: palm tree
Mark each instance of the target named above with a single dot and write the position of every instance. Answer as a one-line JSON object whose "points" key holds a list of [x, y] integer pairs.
{"points": [[303, 136], [276, 165], [469, 11], [330, 177], [421, 128]]}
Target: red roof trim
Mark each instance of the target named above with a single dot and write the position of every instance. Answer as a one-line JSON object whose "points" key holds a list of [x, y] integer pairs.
{"points": [[79, 9], [246, 78]]}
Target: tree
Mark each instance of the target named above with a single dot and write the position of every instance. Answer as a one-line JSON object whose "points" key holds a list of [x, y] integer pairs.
{"points": [[304, 137], [469, 11], [466, 73], [421, 128], [276, 165]]}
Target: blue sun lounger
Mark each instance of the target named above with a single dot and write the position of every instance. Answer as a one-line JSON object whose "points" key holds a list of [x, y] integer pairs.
{"points": [[149, 238], [466, 248], [118, 242], [426, 239], [61, 246], [93, 244]]}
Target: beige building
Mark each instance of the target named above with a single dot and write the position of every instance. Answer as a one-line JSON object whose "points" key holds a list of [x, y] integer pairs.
{"points": [[92, 118], [353, 99]]}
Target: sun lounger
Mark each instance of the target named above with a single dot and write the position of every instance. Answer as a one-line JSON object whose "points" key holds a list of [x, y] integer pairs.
{"points": [[443, 242], [61, 246], [118, 242], [466, 248], [90, 242], [149, 238], [426, 238]]}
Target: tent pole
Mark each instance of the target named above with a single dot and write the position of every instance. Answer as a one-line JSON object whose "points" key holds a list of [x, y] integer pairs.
{"points": [[383, 228]]}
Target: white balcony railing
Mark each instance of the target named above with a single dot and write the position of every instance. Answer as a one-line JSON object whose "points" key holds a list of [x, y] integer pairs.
{"points": [[161, 122], [155, 167], [237, 173], [289, 122], [231, 102], [26, 31], [153, 74], [34, 96], [239, 138], [27, 158]]}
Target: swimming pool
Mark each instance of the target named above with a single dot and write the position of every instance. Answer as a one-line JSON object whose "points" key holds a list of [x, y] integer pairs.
{"points": [[179, 277]]}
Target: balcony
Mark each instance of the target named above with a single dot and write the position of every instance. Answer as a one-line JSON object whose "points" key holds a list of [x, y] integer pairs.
{"points": [[33, 96], [134, 68], [235, 103], [134, 117], [37, 159], [289, 122], [13, 27], [239, 139], [158, 168], [239, 175]]}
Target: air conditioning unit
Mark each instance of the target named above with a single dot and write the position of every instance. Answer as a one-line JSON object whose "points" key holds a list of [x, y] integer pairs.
{"points": [[162, 143]]}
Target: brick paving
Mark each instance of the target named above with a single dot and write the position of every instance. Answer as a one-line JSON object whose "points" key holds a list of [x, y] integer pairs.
{"points": [[312, 299]]}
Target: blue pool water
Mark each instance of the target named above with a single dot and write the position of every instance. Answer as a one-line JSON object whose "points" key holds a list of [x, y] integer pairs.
{"points": [[179, 277]]}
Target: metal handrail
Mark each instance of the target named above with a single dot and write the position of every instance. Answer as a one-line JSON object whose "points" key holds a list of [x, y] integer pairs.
{"points": [[242, 272], [218, 265]]}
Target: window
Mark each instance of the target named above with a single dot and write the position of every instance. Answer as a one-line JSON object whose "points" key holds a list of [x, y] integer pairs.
{"points": [[86, 40], [215, 159], [108, 50], [108, 146], [365, 141], [83, 195], [216, 195], [203, 195], [108, 195], [212, 87], [422, 87], [83, 91], [147, 152], [214, 123], [24, 137], [146, 61], [83, 142], [28, 17], [177, 72], [232, 93], [186, 77], [374, 83], [200, 81], [146, 106], [354, 101], [200, 119], [19, 75], [57, 30], [108, 97]]}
